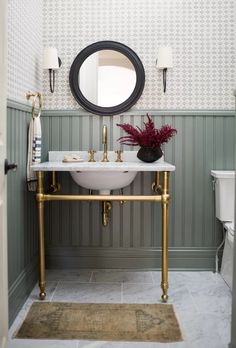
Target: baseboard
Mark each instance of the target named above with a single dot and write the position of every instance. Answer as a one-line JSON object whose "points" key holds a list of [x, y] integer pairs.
{"points": [[21, 288], [201, 259]]}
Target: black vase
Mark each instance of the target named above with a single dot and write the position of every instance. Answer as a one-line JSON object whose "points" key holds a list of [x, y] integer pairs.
{"points": [[149, 154]]}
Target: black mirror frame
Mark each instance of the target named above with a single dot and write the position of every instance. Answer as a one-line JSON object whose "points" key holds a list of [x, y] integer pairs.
{"points": [[100, 110]]}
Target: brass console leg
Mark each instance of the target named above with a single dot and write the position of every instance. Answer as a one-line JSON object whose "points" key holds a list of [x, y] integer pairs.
{"points": [[165, 205], [40, 202]]}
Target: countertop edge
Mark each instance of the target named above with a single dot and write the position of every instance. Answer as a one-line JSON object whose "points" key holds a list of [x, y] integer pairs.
{"points": [[85, 166]]}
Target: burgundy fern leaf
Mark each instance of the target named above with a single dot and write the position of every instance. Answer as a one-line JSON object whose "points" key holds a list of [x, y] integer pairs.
{"points": [[147, 137], [134, 134], [166, 133]]}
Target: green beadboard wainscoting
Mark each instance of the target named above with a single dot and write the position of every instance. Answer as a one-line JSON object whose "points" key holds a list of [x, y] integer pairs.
{"points": [[75, 236], [21, 212]]}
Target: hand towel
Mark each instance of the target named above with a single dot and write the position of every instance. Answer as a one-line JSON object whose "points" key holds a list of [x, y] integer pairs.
{"points": [[34, 151]]}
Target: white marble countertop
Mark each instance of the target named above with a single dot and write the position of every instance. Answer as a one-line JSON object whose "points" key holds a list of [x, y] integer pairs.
{"points": [[131, 163]]}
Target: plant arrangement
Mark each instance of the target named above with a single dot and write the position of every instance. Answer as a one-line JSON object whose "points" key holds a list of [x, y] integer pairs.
{"points": [[150, 139]]}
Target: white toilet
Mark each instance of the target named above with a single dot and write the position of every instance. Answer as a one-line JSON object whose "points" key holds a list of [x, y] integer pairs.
{"points": [[224, 181]]}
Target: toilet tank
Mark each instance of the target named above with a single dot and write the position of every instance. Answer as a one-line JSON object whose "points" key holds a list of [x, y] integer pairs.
{"points": [[224, 194]]}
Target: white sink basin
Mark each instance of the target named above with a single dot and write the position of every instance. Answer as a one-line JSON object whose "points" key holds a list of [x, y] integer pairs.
{"points": [[103, 181], [102, 176]]}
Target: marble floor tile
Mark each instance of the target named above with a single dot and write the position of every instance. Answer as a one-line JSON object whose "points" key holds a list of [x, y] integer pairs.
{"points": [[156, 277], [179, 279], [211, 299], [182, 300], [182, 344], [223, 327], [145, 345], [200, 329], [17, 343], [83, 276], [99, 344], [104, 276], [143, 293], [206, 343], [88, 292]]}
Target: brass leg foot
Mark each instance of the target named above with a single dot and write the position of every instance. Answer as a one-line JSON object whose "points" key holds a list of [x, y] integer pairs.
{"points": [[42, 293], [164, 296]]}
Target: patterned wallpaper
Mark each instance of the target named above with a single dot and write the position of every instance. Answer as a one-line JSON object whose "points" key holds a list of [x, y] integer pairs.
{"points": [[25, 31], [200, 32]]}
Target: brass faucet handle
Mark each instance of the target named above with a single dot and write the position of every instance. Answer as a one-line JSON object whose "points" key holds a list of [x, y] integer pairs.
{"points": [[118, 159], [91, 155]]}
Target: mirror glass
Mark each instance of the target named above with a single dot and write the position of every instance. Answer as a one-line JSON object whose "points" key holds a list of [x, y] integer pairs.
{"points": [[107, 78]]}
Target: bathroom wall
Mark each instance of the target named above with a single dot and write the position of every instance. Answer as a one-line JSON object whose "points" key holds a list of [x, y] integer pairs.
{"points": [[199, 95], [200, 32], [24, 74]]}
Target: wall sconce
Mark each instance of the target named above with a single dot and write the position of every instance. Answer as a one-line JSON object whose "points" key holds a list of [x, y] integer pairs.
{"points": [[164, 61], [51, 62]]}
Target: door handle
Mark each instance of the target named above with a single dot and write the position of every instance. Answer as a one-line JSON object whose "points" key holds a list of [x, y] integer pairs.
{"points": [[9, 166]]}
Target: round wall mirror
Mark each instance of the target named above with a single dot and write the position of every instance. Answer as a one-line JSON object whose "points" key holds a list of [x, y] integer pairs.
{"points": [[107, 78]]}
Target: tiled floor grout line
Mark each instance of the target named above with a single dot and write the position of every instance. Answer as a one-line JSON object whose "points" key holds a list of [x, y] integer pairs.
{"points": [[93, 283], [54, 291], [152, 278], [194, 303], [122, 292], [91, 277], [111, 282], [215, 275], [192, 298]]}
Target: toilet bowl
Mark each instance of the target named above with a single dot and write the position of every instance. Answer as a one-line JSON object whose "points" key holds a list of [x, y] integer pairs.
{"points": [[224, 183], [227, 260]]}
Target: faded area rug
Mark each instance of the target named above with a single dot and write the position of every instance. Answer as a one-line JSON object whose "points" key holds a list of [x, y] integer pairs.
{"points": [[104, 322]]}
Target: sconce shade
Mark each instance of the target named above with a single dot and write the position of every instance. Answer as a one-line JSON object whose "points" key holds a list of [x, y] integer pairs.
{"points": [[164, 57], [50, 58]]}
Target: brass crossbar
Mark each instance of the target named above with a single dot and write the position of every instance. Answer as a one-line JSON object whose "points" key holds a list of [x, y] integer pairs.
{"points": [[149, 198]]}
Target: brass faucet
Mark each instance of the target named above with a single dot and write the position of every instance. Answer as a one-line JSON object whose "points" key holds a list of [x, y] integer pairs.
{"points": [[104, 141]]}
